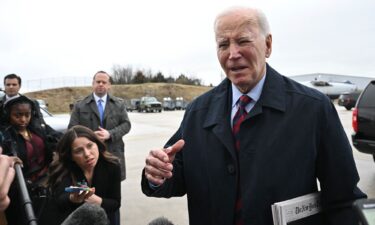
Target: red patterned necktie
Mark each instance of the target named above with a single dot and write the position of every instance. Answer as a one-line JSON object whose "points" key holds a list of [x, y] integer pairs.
{"points": [[238, 118]]}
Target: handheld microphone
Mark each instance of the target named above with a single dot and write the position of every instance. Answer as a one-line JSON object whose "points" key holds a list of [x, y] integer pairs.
{"points": [[87, 214]]}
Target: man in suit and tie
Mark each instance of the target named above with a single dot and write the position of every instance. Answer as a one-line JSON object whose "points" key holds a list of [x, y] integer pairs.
{"points": [[12, 86], [106, 115], [255, 139]]}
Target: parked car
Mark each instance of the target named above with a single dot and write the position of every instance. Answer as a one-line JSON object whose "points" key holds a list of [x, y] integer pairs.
{"points": [[42, 104], [149, 104], [363, 121], [57, 122], [348, 100]]}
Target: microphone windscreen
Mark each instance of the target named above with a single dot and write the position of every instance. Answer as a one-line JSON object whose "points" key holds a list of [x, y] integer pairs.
{"points": [[87, 214], [160, 221]]}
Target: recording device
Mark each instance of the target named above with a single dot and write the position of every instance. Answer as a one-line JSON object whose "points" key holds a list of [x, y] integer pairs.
{"points": [[365, 209], [73, 189], [24, 193], [87, 214]]}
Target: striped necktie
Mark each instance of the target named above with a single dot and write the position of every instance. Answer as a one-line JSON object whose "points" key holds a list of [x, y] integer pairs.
{"points": [[238, 118]]}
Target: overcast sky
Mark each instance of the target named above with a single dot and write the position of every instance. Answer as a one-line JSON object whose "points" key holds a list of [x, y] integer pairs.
{"points": [[47, 38]]}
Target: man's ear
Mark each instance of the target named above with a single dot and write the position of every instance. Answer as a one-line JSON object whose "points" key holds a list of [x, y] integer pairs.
{"points": [[268, 45]]}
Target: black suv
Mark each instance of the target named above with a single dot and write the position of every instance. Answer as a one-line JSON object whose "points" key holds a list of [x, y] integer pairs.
{"points": [[348, 100], [364, 121]]}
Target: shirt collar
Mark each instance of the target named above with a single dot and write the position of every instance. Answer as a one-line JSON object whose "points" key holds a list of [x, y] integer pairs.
{"points": [[104, 98], [9, 98], [254, 93]]}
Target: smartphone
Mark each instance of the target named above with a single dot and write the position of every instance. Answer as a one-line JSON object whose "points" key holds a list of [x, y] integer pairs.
{"points": [[72, 189], [365, 209]]}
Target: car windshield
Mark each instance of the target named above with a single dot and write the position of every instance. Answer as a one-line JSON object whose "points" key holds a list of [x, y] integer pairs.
{"points": [[150, 99], [45, 113], [41, 102]]}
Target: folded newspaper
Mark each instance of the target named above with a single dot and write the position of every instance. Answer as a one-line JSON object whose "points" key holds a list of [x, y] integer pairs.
{"points": [[297, 208]]}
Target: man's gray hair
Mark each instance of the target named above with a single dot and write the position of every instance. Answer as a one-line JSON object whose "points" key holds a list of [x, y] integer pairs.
{"points": [[259, 14]]}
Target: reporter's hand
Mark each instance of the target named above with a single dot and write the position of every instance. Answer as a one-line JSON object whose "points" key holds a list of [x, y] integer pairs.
{"points": [[94, 199], [80, 197], [159, 163]]}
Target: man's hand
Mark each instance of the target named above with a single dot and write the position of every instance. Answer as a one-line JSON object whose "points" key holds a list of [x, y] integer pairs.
{"points": [[159, 163], [102, 134]]}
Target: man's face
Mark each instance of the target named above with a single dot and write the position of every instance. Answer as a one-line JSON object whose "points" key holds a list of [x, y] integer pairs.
{"points": [[12, 87], [242, 49], [101, 84]]}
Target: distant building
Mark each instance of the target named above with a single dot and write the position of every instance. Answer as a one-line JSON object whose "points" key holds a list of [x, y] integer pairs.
{"points": [[361, 82]]}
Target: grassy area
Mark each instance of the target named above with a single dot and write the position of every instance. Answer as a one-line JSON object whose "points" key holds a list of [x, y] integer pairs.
{"points": [[59, 99]]}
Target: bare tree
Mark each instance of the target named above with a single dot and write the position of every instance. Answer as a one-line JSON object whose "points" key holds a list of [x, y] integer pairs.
{"points": [[125, 75], [122, 75]]}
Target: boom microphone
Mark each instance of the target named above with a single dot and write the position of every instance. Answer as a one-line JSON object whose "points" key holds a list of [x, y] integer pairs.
{"points": [[23, 191], [87, 214]]}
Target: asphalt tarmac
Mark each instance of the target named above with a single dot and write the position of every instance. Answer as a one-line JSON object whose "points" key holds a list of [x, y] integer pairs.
{"points": [[152, 130]]}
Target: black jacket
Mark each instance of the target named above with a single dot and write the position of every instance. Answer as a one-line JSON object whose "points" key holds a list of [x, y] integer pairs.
{"points": [[107, 183]]}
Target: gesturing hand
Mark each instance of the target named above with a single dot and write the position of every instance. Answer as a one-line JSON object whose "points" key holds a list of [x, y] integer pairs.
{"points": [[159, 163]]}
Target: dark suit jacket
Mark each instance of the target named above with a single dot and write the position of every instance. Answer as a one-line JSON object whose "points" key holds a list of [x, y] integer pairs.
{"points": [[290, 138], [116, 121]]}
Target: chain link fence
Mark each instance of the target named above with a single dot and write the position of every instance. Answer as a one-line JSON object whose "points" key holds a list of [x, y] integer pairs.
{"points": [[29, 85]]}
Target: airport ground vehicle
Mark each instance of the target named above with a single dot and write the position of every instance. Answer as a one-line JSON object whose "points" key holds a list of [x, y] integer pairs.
{"points": [[149, 104], [133, 105], [363, 121], [348, 100], [168, 104], [180, 103]]}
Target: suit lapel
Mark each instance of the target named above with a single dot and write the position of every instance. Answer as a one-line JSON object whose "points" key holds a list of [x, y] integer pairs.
{"points": [[273, 94], [219, 110], [218, 116], [92, 104], [107, 108]]}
